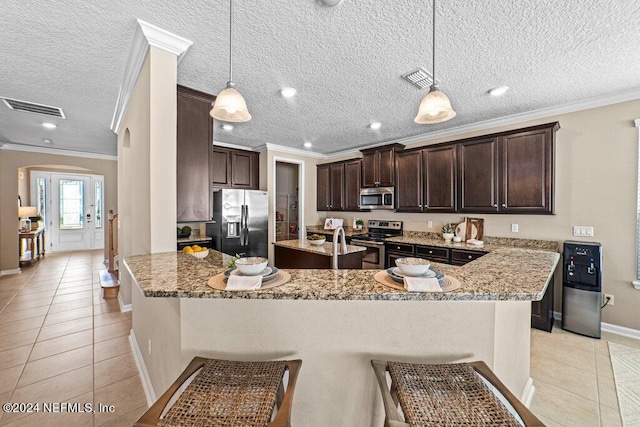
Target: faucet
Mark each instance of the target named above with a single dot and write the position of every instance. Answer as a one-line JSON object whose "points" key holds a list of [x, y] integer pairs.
{"points": [[343, 246]]}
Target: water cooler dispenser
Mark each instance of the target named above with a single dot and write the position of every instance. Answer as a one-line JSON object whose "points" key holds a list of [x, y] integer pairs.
{"points": [[582, 286]]}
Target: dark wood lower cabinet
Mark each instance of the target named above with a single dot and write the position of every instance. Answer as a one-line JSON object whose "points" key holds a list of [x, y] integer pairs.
{"points": [[542, 311], [292, 258]]}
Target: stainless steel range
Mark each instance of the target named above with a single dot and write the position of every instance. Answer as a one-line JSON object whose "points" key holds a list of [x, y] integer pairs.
{"points": [[374, 257]]}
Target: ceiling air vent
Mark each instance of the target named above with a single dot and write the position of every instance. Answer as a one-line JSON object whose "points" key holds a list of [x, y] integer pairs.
{"points": [[420, 78], [30, 107]]}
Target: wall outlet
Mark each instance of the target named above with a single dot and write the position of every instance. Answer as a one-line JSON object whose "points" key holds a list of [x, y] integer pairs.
{"points": [[514, 228], [429, 224], [611, 299], [582, 231], [149, 345]]}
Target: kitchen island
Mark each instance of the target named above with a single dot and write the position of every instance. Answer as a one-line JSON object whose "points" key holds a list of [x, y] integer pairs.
{"points": [[302, 254], [336, 321]]}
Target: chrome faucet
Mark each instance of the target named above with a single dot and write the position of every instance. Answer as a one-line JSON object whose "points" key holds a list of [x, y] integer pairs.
{"points": [[343, 246]]}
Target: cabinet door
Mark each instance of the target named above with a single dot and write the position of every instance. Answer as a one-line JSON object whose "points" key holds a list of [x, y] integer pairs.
{"points": [[386, 159], [478, 172], [440, 179], [337, 187], [526, 172], [243, 170], [194, 143], [323, 188], [352, 172], [220, 171], [409, 179], [370, 169]]}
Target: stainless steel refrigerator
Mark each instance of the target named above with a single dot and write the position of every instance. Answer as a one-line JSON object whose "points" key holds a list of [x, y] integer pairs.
{"points": [[241, 222]]}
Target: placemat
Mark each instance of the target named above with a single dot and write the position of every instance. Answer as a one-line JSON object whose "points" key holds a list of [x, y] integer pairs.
{"points": [[219, 282], [450, 283]]}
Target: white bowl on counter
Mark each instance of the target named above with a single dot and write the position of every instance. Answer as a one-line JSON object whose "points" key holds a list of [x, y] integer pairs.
{"points": [[201, 255], [413, 266], [316, 242], [251, 266]]}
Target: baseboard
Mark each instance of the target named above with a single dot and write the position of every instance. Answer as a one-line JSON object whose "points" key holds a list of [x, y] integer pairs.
{"points": [[608, 327], [149, 393], [527, 394], [123, 307], [10, 272]]}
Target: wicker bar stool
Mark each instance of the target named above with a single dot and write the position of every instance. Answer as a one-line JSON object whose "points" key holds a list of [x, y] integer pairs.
{"points": [[227, 393], [446, 395]]}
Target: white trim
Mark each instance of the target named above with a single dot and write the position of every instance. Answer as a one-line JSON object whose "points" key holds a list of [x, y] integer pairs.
{"points": [[504, 121], [608, 327], [301, 193], [146, 35], [123, 307], [57, 151], [637, 122], [149, 393], [233, 146], [527, 394], [10, 272], [289, 150], [636, 284]]}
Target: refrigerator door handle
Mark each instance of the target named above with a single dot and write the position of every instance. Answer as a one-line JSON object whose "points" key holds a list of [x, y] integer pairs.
{"points": [[246, 225]]}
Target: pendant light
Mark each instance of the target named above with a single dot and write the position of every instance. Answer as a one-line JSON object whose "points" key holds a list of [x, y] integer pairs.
{"points": [[229, 105], [435, 106]]}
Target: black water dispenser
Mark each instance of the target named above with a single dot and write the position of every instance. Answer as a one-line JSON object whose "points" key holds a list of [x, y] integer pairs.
{"points": [[582, 287]]}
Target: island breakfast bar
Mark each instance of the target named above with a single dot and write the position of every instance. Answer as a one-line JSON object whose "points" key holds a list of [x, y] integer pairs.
{"points": [[336, 321]]}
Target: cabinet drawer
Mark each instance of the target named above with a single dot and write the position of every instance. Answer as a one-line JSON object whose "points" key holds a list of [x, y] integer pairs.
{"points": [[400, 248], [433, 253], [461, 257]]}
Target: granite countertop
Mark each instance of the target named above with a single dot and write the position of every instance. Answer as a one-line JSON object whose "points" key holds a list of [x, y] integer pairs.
{"points": [[505, 273], [193, 238], [348, 231], [490, 243], [324, 249]]}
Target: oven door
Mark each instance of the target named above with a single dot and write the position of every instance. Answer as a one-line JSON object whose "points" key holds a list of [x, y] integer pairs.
{"points": [[373, 258]]}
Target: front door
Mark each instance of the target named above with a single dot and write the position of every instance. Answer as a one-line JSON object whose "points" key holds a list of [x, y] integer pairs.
{"points": [[76, 212]]}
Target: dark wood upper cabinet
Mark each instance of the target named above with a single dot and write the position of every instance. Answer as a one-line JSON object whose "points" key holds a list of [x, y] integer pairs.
{"points": [[378, 165], [337, 187], [527, 172], [194, 155], [352, 180], [409, 179], [478, 173], [235, 169], [439, 179], [323, 182]]}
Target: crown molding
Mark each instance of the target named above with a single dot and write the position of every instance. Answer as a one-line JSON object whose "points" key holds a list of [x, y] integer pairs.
{"points": [[504, 121], [146, 35], [289, 150], [57, 151], [233, 146]]}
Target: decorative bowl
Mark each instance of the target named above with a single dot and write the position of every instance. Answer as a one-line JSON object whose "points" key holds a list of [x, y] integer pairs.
{"points": [[201, 255], [317, 242], [413, 266], [251, 266]]}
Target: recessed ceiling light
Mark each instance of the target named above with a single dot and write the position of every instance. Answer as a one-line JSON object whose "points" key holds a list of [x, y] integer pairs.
{"points": [[375, 125], [49, 125], [288, 92], [227, 126], [498, 91], [47, 141], [308, 144], [329, 3]]}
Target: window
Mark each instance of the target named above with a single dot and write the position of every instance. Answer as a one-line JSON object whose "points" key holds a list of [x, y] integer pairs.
{"points": [[41, 198], [71, 204], [98, 201]]}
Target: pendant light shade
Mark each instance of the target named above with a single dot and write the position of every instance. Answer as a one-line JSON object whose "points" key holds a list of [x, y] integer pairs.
{"points": [[229, 105], [435, 106]]}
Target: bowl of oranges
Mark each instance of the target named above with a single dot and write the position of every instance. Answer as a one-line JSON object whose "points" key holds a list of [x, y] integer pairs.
{"points": [[196, 251]]}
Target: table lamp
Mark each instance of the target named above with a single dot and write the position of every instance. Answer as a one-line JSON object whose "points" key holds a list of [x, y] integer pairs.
{"points": [[24, 212]]}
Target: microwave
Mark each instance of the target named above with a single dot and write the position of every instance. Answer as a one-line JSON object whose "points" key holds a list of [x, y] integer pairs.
{"points": [[376, 198]]}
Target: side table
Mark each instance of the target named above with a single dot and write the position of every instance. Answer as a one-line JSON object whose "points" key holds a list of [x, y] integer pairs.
{"points": [[35, 239]]}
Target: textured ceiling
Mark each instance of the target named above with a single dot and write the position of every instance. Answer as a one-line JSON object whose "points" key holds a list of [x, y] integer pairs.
{"points": [[345, 62]]}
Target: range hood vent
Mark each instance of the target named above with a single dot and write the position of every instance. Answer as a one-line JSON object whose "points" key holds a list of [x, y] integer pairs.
{"points": [[420, 78], [31, 107]]}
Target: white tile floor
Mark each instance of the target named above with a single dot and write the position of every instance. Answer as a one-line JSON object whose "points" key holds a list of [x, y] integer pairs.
{"points": [[60, 341]]}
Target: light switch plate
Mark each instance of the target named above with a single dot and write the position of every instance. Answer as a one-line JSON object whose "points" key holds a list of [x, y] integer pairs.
{"points": [[429, 224], [582, 231], [514, 228]]}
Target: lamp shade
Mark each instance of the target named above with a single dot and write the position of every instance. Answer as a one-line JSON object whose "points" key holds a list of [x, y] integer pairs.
{"points": [[230, 106], [27, 211], [434, 108]]}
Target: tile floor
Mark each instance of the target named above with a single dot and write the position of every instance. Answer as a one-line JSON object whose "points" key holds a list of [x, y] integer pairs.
{"points": [[60, 341]]}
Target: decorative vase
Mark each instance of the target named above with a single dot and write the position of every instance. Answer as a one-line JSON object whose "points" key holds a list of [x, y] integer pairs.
{"points": [[447, 236]]}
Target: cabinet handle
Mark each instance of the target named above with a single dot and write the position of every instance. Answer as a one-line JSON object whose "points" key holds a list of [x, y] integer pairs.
{"points": [[398, 247], [504, 205], [469, 256], [495, 205], [430, 252]]}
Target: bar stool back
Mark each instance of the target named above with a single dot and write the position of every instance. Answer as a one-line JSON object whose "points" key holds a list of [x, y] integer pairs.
{"points": [[446, 395], [227, 393]]}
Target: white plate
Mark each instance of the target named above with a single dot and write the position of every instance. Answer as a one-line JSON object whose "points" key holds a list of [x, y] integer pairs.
{"points": [[267, 274], [397, 272], [461, 231]]}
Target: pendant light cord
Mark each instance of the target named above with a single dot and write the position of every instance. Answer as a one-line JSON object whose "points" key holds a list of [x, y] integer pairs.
{"points": [[433, 46], [230, 40]]}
